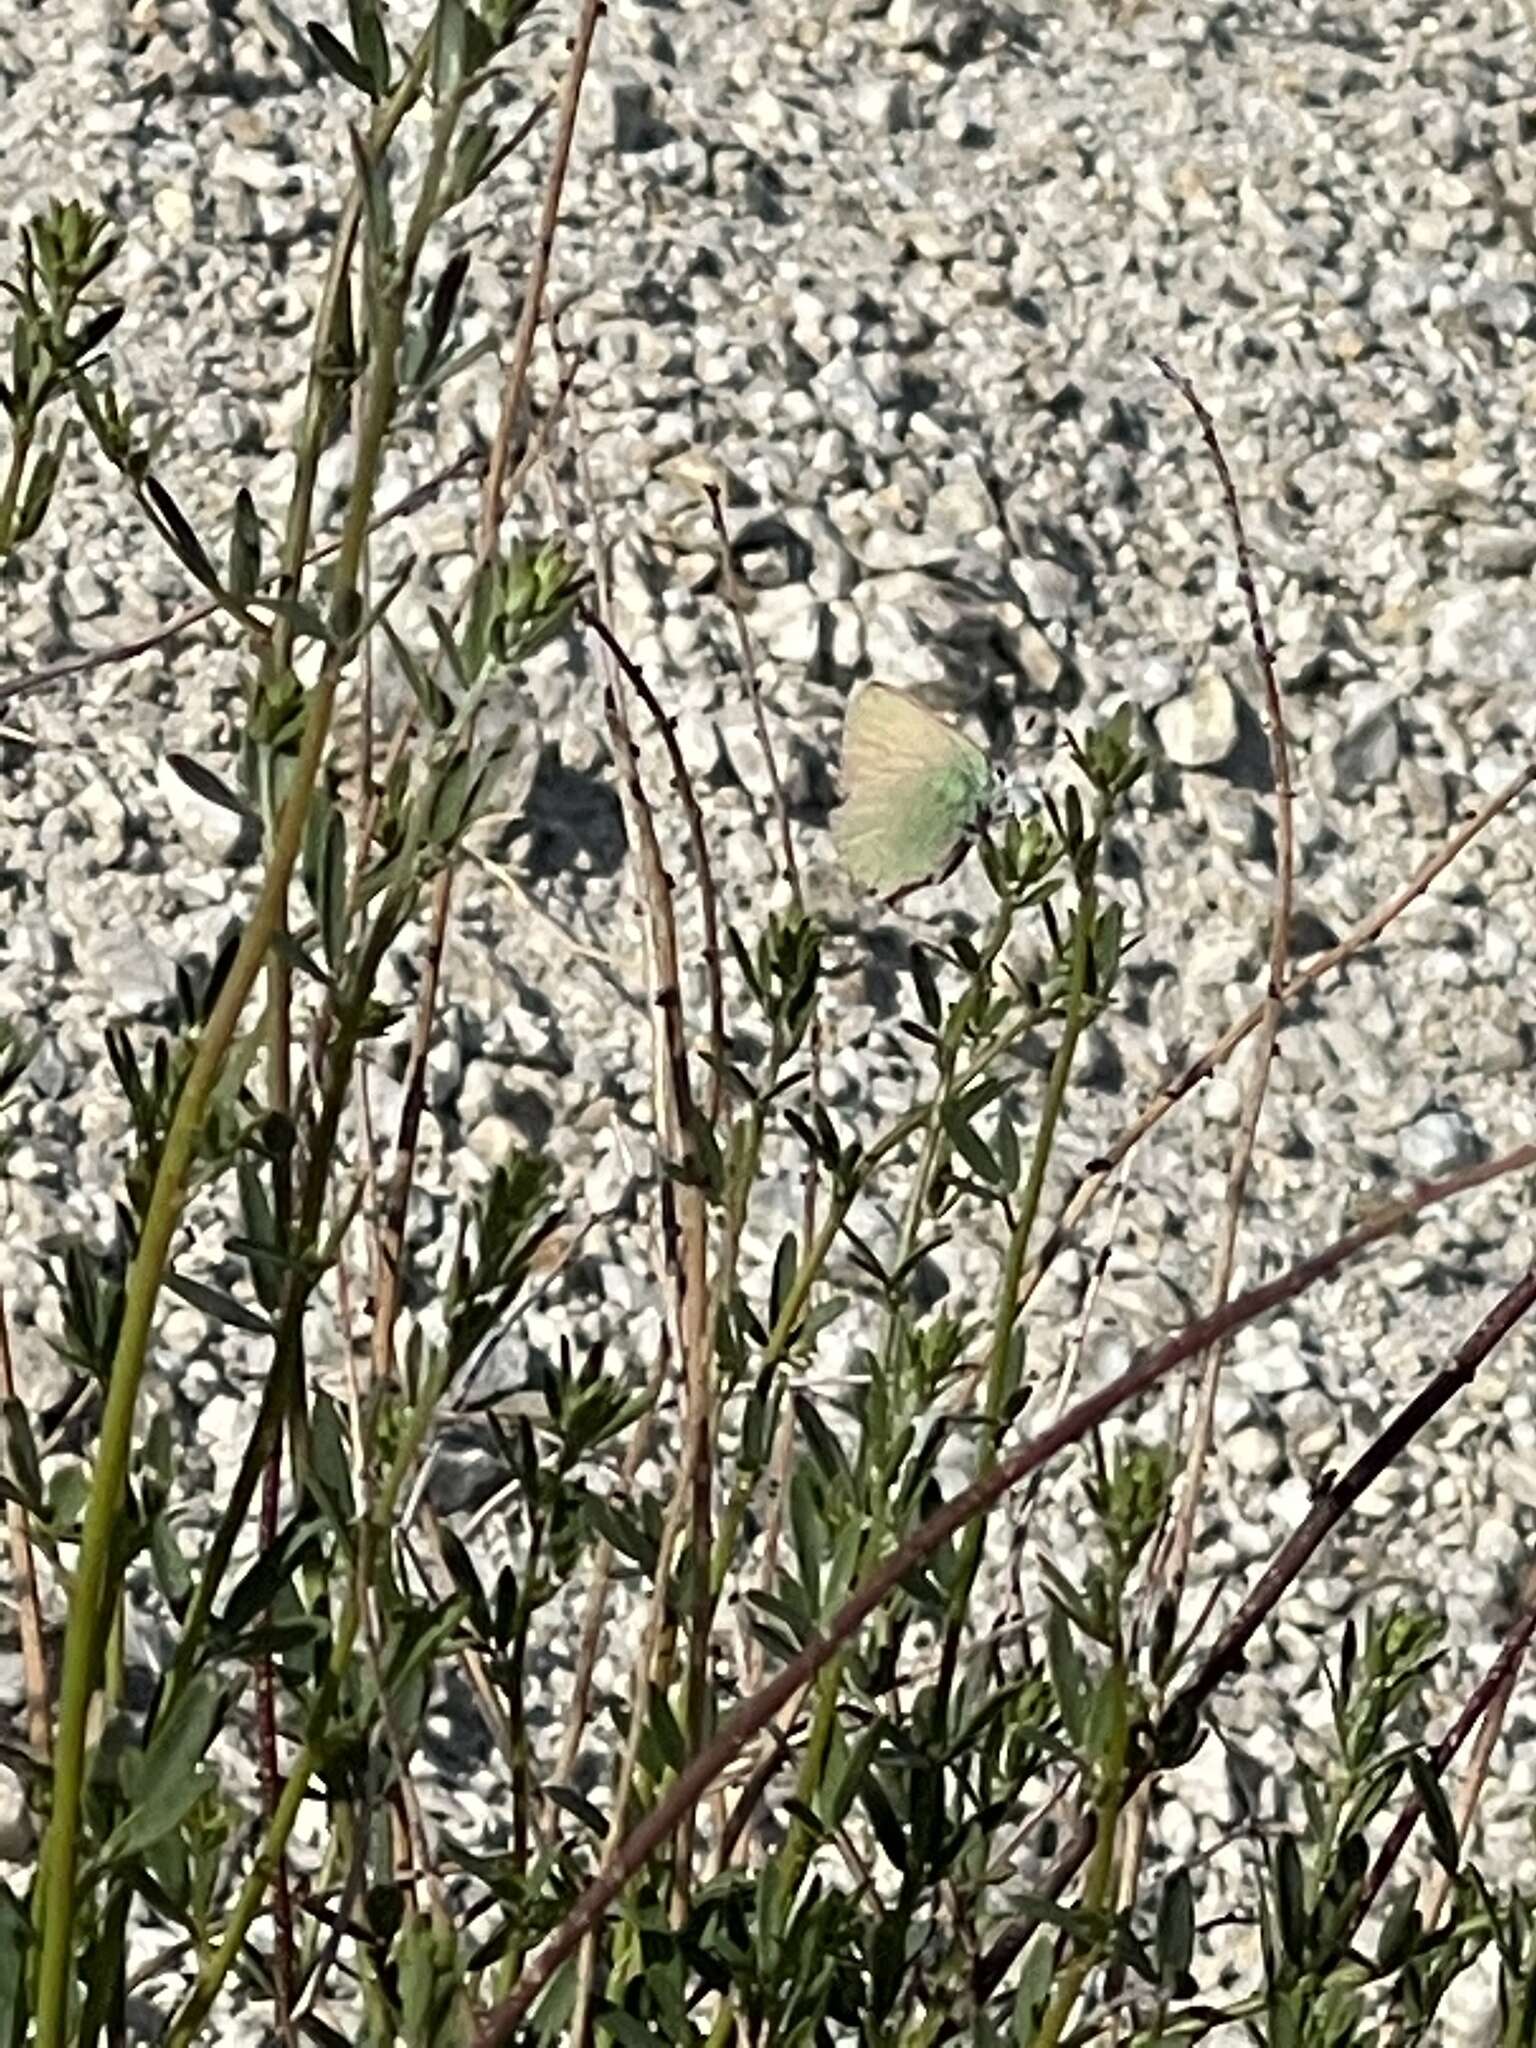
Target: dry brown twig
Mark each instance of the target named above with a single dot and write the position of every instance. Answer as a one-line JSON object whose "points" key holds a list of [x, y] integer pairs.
{"points": [[198, 614], [784, 1436], [1332, 1502], [494, 496], [1169, 1568], [683, 1251], [1483, 1709], [390, 1239], [677, 1219], [1488, 1706], [684, 1218], [1318, 968], [29, 1609]]}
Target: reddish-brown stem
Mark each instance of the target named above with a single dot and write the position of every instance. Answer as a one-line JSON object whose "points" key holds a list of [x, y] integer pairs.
{"points": [[493, 498], [1365, 933], [29, 1611], [976, 1499], [1499, 1678], [1334, 1500]]}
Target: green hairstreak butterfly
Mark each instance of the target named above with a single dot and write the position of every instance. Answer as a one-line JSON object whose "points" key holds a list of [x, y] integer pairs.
{"points": [[913, 789]]}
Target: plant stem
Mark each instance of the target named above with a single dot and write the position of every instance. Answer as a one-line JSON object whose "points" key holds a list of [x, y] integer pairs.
{"points": [[375, 1527], [92, 1590], [1101, 1870], [1013, 1270], [14, 470]]}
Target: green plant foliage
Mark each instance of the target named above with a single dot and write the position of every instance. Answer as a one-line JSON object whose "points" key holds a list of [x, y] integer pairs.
{"points": [[847, 1747]]}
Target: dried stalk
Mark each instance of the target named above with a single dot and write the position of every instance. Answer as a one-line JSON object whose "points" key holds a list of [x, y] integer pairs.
{"points": [[784, 1436], [684, 1224], [1484, 1709], [1370, 928], [29, 1608], [1170, 1566], [494, 496]]}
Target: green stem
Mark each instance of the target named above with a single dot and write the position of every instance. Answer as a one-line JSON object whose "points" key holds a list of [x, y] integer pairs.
{"points": [[20, 446], [92, 1589], [375, 1527], [1040, 1157], [1013, 1273], [1096, 1889], [809, 1270]]}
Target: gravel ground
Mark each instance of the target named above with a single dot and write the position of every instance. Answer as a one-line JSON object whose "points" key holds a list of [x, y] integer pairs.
{"points": [[896, 274]]}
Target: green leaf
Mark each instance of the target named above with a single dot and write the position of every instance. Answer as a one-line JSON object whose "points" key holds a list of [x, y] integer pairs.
{"points": [[1034, 1988], [971, 1147], [626, 2029], [927, 988], [261, 1583], [299, 957], [437, 706], [786, 1265], [1175, 1929], [579, 1807], [1443, 1837], [189, 549], [1401, 1930], [335, 55], [462, 359], [1068, 1598], [330, 1471], [461, 1569], [331, 890], [210, 787], [172, 1572], [372, 49], [472, 155], [21, 1460], [165, 1780], [448, 799], [41, 480], [1290, 1899], [213, 1301], [668, 1736], [823, 1445], [245, 547], [304, 620], [1006, 1150], [882, 1818], [1069, 1677], [426, 344], [450, 39], [624, 1533], [14, 1938], [809, 1531]]}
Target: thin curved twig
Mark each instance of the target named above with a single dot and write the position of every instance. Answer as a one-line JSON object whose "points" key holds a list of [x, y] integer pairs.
{"points": [[194, 615], [1169, 1571], [1354, 942]]}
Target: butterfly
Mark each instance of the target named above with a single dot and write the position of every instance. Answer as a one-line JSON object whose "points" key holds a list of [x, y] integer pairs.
{"points": [[915, 792]]}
